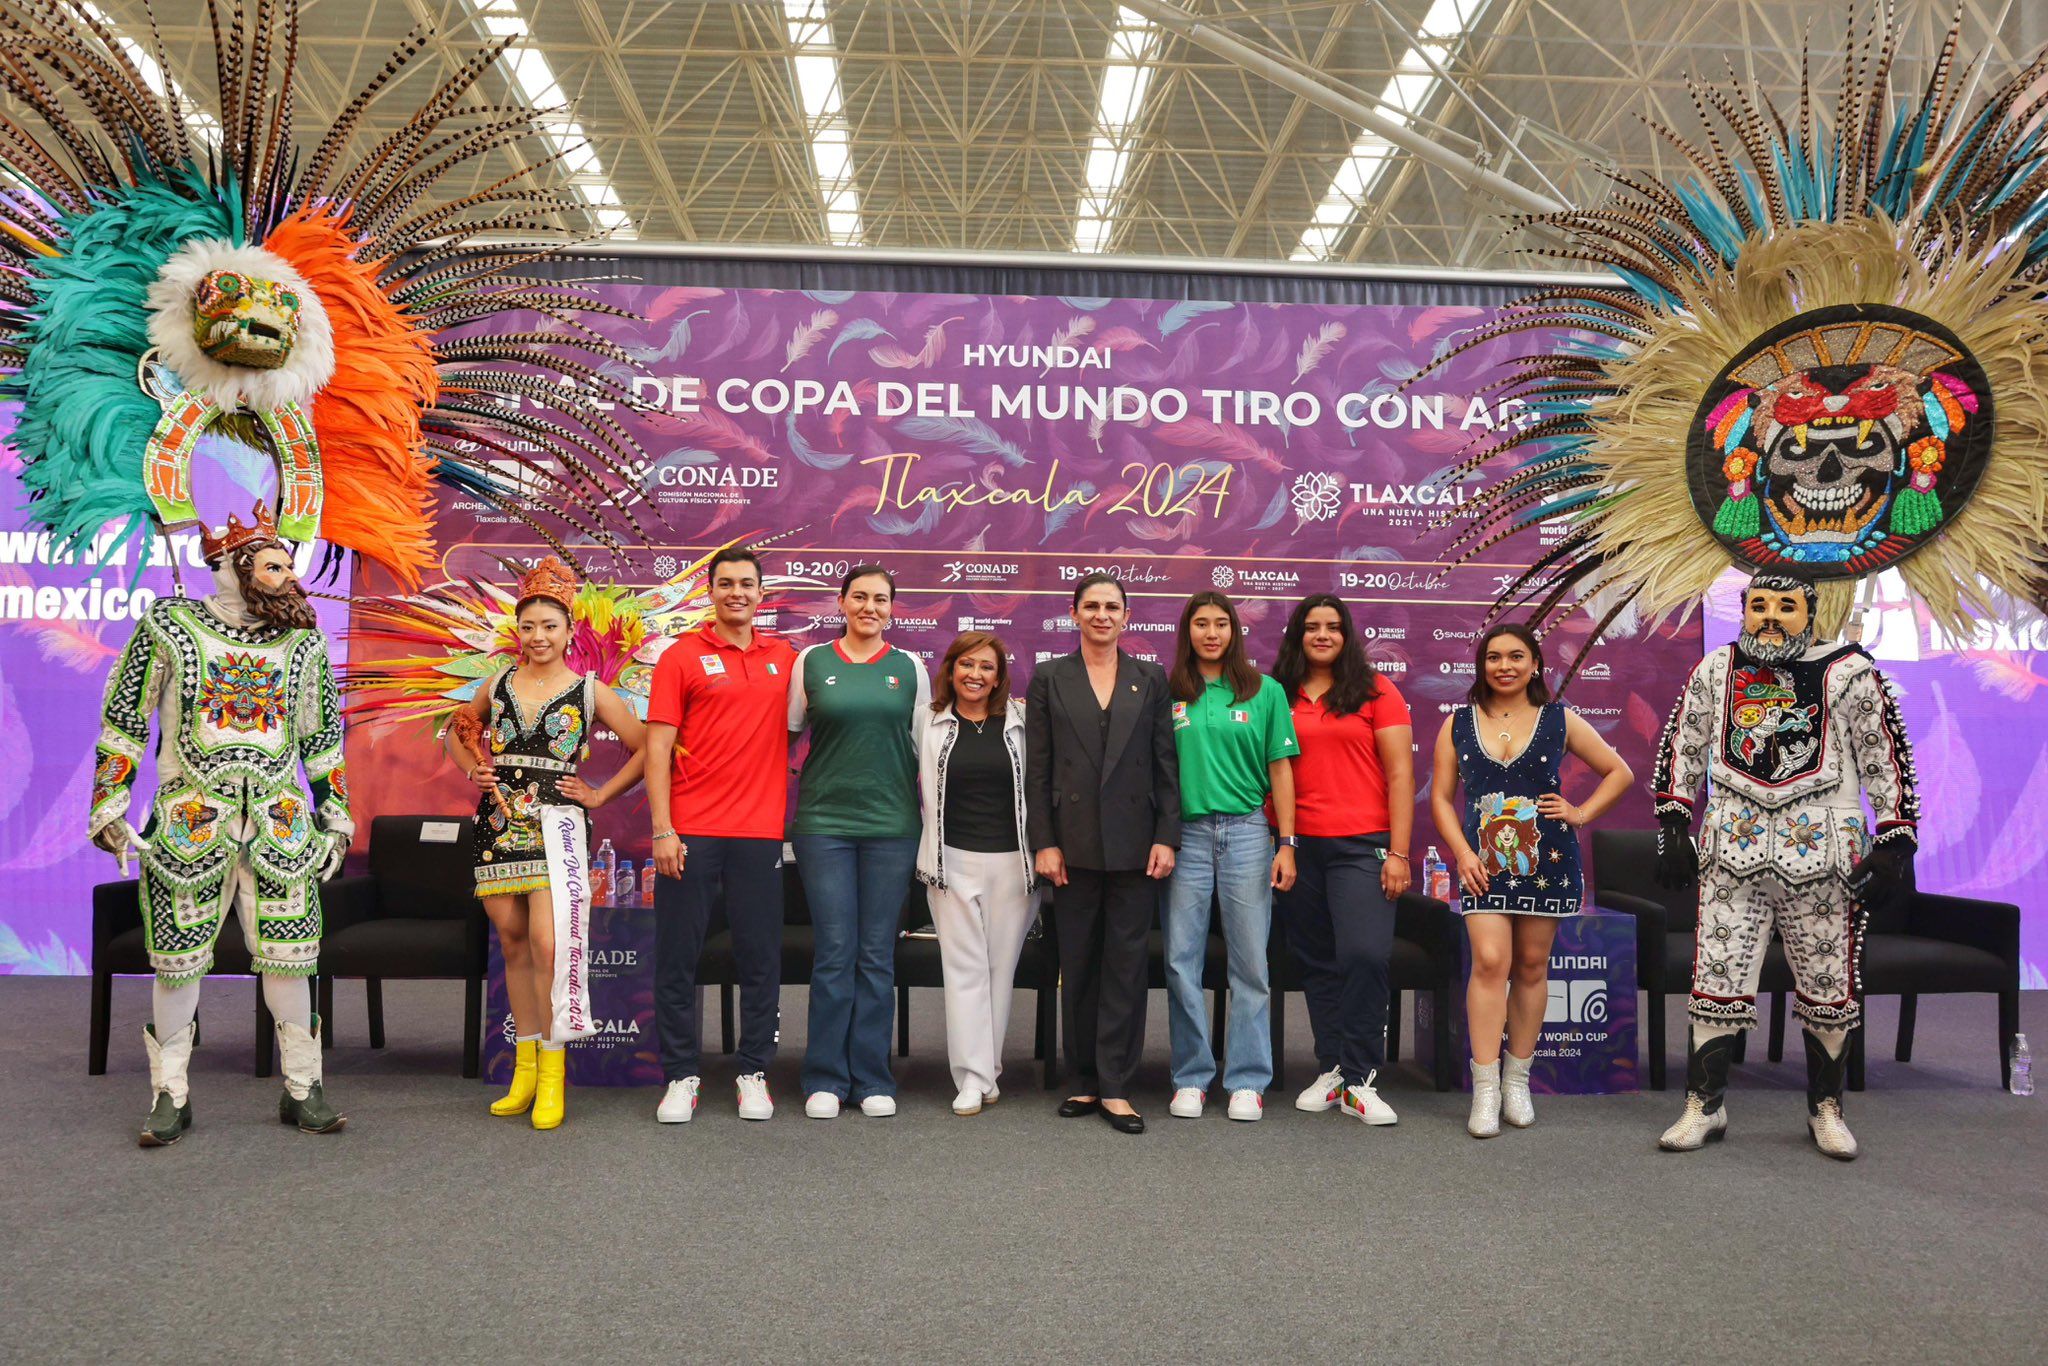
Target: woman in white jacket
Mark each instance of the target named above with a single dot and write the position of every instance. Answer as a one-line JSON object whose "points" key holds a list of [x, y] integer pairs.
{"points": [[973, 855]]}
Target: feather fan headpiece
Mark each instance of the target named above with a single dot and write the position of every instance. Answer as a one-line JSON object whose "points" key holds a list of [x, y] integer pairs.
{"points": [[153, 289], [1830, 359]]}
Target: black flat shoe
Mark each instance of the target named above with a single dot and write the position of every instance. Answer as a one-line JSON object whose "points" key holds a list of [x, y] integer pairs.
{"points": [[1074, 1109], [1125, 1124]]}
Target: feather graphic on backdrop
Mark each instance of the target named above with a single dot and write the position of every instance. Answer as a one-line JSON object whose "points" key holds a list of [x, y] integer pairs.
{"points": [[863, 397], [889, 524], [669, 300], [1951, 786], [1069, 332], [1084, 303], [1430, 320], [69, 643], [17, 754], [1122, 339], [969, 432], [678, 341], [811, 455], [715, 430], [56, 836], [52, 958], [806, 336], [1315, 348], [1058, 517], [2005, 672], [2023, 840], [1229, 442], [896, 358], [829, 296], [860, 329], [1181, 314]]}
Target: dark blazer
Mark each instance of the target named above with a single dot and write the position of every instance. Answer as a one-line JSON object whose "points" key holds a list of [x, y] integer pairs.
{"points": [[1103, 796]]}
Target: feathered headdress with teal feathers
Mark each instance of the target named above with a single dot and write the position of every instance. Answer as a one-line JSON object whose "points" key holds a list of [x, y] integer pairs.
{"points": [[1826, 353], [158, 283]]}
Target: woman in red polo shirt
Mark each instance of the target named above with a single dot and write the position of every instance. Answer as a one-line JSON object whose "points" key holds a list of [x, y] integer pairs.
{"points": [[1354, 801]]}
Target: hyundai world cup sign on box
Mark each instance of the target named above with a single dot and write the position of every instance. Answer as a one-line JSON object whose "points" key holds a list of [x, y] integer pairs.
{"points": [[1588, 1044]]}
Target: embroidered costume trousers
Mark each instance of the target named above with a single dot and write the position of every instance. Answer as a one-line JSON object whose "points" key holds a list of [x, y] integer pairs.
{"points": [[1815, 920]]}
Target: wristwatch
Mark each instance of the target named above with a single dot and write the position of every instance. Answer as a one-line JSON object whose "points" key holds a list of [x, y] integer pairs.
{"points": [[1289, 841]]}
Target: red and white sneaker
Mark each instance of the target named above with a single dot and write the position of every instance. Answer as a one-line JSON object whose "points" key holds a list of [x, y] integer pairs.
{"points": [[1187, 1103], [1247, 1105], [1322, 1093], [755, 1102], [679, 1102], [1362, 1102]]}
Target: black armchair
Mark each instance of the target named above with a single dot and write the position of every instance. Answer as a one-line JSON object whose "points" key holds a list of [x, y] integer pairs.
{"points": [[1929, 944], [414, 915], [118, 950]]}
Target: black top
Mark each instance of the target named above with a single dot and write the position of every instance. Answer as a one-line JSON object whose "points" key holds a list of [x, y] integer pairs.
{"points": [[981, 790]]}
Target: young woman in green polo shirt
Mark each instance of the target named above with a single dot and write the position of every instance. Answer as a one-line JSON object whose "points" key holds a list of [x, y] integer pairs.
{"points": [[856, 830], [1235, 735]]}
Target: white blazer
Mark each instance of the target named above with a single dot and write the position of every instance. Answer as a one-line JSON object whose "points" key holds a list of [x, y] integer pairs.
{"points": [[935, 744]]}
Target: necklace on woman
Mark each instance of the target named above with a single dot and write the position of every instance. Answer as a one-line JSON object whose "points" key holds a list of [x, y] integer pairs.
{"points": [[1506, 736], [978, 725]]}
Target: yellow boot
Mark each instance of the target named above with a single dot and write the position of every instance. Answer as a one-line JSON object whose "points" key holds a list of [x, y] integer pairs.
{"points": [[553, 1080], [515, 1101]]}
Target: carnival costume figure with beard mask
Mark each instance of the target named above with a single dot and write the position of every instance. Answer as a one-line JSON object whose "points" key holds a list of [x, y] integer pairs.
{"points": [[1789, 737], [242, 694]]}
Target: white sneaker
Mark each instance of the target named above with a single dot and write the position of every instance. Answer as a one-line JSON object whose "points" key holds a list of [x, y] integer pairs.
{"points": [[968, 1102], [822, 1105], [878, 1107], [1187, 1103], [1247, 1105], [1322, 1093], [679, 1102], [755, 1102], [1363, 1102]]}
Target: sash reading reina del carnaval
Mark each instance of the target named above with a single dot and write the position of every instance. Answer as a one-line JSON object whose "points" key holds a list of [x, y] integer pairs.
{"points": [[1828, 357], [294, 299]]}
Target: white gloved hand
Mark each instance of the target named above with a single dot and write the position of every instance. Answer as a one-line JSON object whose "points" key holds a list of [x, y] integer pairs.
{"points": [[337, 853]]}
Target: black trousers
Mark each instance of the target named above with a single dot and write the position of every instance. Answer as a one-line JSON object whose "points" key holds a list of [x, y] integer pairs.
{"points": [[1103, 920], [750, 873], [1340, 927]]}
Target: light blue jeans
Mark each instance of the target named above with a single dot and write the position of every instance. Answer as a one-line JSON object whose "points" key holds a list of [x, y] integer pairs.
{"points": [[1233, 857]]}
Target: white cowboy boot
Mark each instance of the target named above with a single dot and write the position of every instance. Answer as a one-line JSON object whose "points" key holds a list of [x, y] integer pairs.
{"points": [[1485, 1119], [1824, 1077], [304, 1102], [170, 1113], [1706, 1086]]}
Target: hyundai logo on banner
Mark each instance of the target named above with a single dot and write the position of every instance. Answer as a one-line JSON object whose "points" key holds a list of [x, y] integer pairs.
{"points": [[1577, 1001]]}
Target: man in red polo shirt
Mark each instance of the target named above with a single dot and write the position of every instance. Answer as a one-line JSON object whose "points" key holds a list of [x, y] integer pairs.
{"points": [[717, 721]]}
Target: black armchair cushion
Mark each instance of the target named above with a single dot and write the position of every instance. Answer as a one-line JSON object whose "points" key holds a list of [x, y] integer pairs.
{"points": [[398, 947], [419, 878], [1909, 963], [1626, 861]]}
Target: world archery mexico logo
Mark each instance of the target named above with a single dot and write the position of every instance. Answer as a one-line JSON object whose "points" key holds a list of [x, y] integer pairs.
{"points": [[243, 692], [1840, 441]]}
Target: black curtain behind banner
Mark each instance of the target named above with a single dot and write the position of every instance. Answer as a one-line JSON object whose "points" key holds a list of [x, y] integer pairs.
{"points": [[955, 277]]}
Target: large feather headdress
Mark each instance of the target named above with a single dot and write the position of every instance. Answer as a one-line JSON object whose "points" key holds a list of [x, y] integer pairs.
{"points": [[1830, 359], [156, 285]]}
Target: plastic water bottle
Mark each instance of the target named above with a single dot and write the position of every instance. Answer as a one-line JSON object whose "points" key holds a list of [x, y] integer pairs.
{"points": [[602, 864], [1436, 877], [2022, 1067], [648, 873], [625, 884]]}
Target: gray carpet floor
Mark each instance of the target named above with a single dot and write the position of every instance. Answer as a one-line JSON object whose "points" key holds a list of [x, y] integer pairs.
{"points": [[430, 1231]]}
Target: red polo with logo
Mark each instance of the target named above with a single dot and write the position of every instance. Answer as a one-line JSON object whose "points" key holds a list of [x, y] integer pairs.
{"points": [[730, 708]]}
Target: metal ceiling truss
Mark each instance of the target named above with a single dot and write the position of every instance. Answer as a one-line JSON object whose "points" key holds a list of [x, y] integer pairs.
{"points": [[968, 125]]}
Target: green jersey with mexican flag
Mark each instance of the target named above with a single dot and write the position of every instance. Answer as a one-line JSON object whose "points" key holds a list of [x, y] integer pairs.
{"points": [[864, 717]]}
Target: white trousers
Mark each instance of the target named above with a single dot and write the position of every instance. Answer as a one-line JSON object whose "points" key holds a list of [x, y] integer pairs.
{"points": [[982, 915]]}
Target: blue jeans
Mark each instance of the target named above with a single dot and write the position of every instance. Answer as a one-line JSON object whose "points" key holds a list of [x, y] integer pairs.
{"points": [[856, 887], [1231, 856]]}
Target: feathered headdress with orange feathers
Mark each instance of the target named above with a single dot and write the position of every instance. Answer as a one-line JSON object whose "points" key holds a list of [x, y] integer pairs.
{"points": [[153, 289]]}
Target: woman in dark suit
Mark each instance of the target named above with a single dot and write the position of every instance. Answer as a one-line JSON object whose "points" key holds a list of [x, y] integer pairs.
{"points": [[1102, 809]]}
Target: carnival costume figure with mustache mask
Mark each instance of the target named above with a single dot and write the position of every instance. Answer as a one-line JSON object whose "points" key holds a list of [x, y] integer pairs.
{"points": [[239, 686], [1790, 736]]}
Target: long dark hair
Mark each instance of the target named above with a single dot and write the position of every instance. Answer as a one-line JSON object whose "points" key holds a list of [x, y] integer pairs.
{"points": [[1539, 691], [1186, 681], [1353, 680]]}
